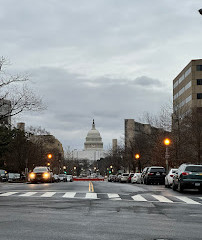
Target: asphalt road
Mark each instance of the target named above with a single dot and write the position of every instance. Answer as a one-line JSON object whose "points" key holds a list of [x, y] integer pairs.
{"points": [[114, 211]]}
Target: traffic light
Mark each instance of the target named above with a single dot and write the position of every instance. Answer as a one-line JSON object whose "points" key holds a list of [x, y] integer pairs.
{"points": [[110, 171]]}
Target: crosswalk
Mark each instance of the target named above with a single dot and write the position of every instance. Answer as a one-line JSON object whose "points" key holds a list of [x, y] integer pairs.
{"points": [[107, 196]]}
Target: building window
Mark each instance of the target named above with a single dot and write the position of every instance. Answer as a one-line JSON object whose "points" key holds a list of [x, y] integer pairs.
{"points": [[199, 81], [199, 95], [198, 67]]}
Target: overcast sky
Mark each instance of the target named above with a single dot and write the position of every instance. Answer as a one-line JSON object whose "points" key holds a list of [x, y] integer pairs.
{"points": [[102, 59]]}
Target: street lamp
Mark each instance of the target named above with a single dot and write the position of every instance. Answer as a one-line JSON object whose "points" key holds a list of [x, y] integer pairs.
{"points": [[137, 157], [167, 143]]}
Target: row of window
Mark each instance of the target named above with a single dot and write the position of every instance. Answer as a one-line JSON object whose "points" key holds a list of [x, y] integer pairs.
{"points": [[184, 75], [188, 99], [188, 85]]}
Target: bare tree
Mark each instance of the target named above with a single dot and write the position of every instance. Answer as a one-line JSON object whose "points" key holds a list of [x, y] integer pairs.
{"points": [[14, 88]]}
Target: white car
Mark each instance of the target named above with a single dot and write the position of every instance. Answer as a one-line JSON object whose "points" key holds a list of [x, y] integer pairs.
{"points": [[69, 178], [124, 177], [136, 178], [169, 177], [63, 177]]}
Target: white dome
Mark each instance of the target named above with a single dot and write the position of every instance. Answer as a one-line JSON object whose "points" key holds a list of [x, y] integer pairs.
{"points": [[93, 139]]}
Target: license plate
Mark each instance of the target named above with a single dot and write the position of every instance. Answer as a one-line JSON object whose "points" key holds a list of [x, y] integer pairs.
{"points": [[197, 184], [157, 174]]}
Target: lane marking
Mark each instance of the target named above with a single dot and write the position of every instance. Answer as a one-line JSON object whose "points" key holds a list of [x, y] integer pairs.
{"points": [[48, 194], [92, 187], [7, 194], [187, 200], [28, 194], [69, 195], [91, 195], [162, 199], [139, 198], [114, 196]]}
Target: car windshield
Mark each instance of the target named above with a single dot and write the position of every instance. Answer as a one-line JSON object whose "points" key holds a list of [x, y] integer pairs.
{"points": [[40, 169], [61, 175], [194, 168], [126, 174], [154, 170]]}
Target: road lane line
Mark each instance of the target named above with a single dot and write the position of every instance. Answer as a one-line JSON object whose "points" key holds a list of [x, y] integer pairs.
{"points": [[69, 195], [7, 194], [28, 194], [114, 196], [48, 194], [187, 200], [139, 198], [91, 195], [92, 188], [162, 199]]}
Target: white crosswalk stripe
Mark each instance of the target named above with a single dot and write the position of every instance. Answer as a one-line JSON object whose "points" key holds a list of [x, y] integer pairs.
{"points": [[7, 194], [91, 195], [48, 194], [113, 196], [187, 200], [28, 194], [139, 198], [162, 199], [69, 195]]}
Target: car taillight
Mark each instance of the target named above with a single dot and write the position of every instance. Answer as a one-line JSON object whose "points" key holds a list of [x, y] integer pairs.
{"points": [[171, 175], [185, 173], [150, 174]]}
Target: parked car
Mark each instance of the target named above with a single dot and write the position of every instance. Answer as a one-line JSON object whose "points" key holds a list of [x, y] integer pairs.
{"points": [[69, 178], [13, 177], [40, 174], [3, 177], [63, 177], [111, 178], [136, 178], [188, 176], [143, 174], [129, 177], [169, 177], [56, 178], [124, 177], [155, 174]]}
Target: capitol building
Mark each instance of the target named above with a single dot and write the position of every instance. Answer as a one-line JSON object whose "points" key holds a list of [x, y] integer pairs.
{"points": [[93, 146]]}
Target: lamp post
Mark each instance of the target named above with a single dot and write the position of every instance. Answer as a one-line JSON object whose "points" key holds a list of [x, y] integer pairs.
{"points": [[137, 157], [167, 143]]}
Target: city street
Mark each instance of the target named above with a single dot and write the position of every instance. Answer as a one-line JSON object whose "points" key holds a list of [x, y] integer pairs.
{"points": [[98, 210]]}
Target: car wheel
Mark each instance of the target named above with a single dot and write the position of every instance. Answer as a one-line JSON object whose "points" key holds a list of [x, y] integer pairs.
{"points": [[174, 187], [179, 187]]}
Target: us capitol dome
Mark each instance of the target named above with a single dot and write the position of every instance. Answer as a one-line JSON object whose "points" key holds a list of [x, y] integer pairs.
{"points": [[93, 139], [93, 146]]}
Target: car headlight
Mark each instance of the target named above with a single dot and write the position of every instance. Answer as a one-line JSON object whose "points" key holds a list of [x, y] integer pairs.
{"points": [[46, 175], [32, 175]]}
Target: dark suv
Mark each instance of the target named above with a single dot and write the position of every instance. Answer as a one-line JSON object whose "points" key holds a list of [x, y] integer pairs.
{"points": [[155, 175], [188, 176]]}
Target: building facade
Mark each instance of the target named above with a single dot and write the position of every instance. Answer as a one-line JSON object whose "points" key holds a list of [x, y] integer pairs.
{"points": [[187, 106], [133, 129], [187, 89], [5, 112]]}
